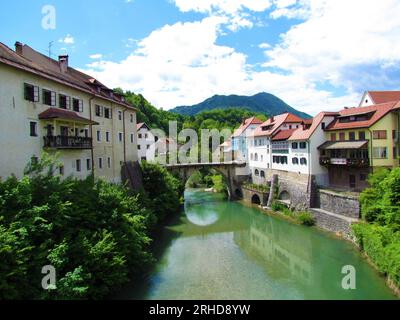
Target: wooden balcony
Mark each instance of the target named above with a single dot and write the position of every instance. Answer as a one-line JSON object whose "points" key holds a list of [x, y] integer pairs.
{"points": [[67, 142], [350, 162]]}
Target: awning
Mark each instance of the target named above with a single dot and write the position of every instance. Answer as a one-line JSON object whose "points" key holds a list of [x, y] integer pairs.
{"points": [[61, 114], [340, 145]]}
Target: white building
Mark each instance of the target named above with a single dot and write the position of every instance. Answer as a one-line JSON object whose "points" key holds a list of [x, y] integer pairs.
{"points": [[260, 144], [146, 143], [45, 105]]}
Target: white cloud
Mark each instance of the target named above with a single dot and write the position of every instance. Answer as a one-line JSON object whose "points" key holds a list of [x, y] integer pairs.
{"points": [[181, 64], [68, 39], [96, 56], [264, 45]]}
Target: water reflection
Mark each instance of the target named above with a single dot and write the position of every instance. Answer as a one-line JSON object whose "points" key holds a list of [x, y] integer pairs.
{"points": [[225, 250]]}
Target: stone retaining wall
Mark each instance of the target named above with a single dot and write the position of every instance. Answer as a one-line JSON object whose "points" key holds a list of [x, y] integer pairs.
{"points": [[333, 224], [342, 204]]}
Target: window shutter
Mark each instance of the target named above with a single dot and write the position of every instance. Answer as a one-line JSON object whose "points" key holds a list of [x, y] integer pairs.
{"points": [[80, 106], [53, 99], [36, 94], [68, 102]]}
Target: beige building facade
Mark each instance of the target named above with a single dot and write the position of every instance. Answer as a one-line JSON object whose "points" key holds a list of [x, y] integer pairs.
{"points": [[46, 106]]}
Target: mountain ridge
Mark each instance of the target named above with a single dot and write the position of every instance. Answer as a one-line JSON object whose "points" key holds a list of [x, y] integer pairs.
{"points": [[261, 102]]}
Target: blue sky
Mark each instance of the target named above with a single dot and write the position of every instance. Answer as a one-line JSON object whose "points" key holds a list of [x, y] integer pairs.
{"points": [[316, 55]]}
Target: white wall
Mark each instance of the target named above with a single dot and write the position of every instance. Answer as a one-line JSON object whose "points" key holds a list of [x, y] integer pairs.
{"points": [[143, 142]]}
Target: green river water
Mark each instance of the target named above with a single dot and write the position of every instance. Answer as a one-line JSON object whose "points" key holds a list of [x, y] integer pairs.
{"points": [[226, 250]]}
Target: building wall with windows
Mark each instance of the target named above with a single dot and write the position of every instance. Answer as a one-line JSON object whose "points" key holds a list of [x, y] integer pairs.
{"points": [[23, 133], [146, 144]]}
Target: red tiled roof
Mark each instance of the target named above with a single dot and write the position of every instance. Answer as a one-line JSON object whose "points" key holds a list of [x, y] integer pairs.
{"points": [[37, 63], [275, 122], [283, 135], [56, 113], [380, 97], [305, 134], [379, 111], [238, 132]]}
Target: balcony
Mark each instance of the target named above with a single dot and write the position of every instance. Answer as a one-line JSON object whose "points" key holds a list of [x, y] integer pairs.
{"points": [[66, 142], [351, 162]]}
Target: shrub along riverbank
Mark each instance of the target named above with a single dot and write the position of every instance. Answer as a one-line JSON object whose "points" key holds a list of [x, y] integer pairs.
{"points": [[94, 233], [379, 235]]}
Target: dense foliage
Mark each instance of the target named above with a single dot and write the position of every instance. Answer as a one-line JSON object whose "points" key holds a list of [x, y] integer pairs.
{"points": [[260, 103], [209, 178], [93, 233], [379, 236]]}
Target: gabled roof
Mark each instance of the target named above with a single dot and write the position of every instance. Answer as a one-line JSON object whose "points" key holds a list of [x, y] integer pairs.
{"points": [[283, 135], [34, 62], [275, 122], [243, 127], [378, 112], [379, 97], [305, 133], [141, 125], [56, 113]]}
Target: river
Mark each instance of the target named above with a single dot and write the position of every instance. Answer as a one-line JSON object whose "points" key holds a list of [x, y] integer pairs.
{"points": [[226, 250]]}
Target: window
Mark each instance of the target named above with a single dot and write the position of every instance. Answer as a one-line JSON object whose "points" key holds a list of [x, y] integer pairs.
{"points": [[140, 136], [262, 158], [88, 164], [109, 162], [342, 136], [363, 177], [99, 110], [333, 136], [303, 145], [295, 145], [77, 105], [107, 136], [107, 113], [33, 129], [61, 170], [257, 173], [323, 125], [303, 161], [380, 135], [132, 138], [119, 115], [139, 147], [256, 157], [31, 93], [100, 163], [251, 157], [394, 153], [65, 101], [98, 136], [146, 136], [131, 118], [86, 131], [262, 174], [49, 98], [361, 135], [34, 160], [380, 153], [120, 136], [78, 166], [295, 160], [352, 136], [148, 147]]}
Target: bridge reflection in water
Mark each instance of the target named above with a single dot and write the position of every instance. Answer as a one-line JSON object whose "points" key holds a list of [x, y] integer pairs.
{"points": [[226, 250]]}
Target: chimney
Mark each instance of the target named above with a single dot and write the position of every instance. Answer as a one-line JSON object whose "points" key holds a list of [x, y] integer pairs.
{"points": [[63, 61], [18, 48], [272, 119]]}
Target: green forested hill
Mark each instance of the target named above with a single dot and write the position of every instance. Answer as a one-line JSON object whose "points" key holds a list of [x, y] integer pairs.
{"points": [[230, 118], [265, 103]]}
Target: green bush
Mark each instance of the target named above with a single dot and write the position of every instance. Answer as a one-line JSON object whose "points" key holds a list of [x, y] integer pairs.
{"points": [[306, 218], [94, 233]]}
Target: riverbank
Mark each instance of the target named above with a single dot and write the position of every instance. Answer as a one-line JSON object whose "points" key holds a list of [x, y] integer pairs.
{"points": [[291, 219]]}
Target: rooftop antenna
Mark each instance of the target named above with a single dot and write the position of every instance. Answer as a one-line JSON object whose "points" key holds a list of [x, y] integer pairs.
{"points": [[49, 50]]}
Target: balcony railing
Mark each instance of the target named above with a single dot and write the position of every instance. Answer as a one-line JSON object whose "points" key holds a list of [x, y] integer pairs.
{"points": [[352, 162], [65, 142]]}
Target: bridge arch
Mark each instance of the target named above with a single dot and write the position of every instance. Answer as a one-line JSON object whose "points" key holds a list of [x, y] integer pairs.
{"points": [[255, 199]]}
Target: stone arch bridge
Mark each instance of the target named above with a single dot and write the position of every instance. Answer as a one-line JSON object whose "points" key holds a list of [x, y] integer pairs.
{"points": [[227, 169]]}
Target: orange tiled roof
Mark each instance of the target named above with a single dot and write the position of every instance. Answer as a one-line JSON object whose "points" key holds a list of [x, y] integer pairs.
{"points": [[238, 132], [283, 135], [56, 113], [379, 97], [305, 134], [379, 111], [275, 122]]}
